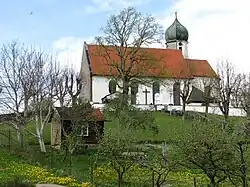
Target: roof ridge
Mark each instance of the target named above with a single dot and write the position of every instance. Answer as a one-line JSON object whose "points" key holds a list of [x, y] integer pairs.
{"points": [[195, 59], [177, 50]]}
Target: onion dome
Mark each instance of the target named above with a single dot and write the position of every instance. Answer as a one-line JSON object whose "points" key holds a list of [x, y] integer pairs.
{"points": [[176, 31]]}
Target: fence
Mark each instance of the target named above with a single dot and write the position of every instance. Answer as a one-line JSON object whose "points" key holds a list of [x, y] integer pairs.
{"points": [[7, 139]]}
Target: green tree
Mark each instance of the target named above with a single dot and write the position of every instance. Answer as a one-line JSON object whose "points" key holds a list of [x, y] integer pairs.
{"points": [[119, 143], [208, 147], [118, 146], [157, 161]]}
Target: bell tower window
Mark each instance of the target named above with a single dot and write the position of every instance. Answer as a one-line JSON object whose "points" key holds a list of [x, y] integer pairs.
{"points": [[180, 46]]}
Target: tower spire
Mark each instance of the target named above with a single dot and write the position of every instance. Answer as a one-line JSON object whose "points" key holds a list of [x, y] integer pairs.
{"points": [[175, 15]]}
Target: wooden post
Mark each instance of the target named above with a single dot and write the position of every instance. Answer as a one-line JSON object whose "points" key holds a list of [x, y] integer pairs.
{"points": [[91, 173], [70, 163], [9, 140], [51, 157], [164, 150]]}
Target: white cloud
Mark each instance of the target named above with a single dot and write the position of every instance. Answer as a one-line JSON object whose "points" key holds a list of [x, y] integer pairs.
{"points": [[217, 28], [109, 5], [69, 50]]}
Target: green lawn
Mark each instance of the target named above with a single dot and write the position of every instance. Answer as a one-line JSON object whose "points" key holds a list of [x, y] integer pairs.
{"points": [[170, 128]]}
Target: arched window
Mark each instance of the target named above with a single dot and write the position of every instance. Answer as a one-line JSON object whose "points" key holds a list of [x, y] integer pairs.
{"points": [[207, 91], [176, 93], [134, 91], [156, 89], [112, 86]]}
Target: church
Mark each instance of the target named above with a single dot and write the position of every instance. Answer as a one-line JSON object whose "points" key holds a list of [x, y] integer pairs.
{"points": [[97, 83]]}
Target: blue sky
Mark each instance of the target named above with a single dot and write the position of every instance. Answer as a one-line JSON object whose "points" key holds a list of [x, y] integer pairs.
{"points": [[62, 26], [53, 19]]}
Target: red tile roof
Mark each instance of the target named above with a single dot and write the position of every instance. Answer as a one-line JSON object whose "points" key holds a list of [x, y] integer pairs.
{"points": [[98, 114], [200, 68], [155, 63], [70, 113]]}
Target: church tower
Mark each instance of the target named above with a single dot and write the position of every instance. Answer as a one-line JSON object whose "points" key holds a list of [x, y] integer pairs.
{"points": [[177, 37]]}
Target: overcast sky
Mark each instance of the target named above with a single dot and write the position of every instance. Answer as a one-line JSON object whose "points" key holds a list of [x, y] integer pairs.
{"points": [[217, 28]]}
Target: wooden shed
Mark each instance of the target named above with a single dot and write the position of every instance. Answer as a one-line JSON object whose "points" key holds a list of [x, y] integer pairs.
{"points": [[64, 117]]}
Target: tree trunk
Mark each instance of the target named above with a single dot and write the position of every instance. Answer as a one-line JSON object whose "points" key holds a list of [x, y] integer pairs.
{"points": [[20, 136], [26, 104], [183, 107], [206, 109], [226, 116], [158, 182], [61, 102], [243, 166], [212, 182], [40, 136], [120, 179], [41, 144], [183, 110]]}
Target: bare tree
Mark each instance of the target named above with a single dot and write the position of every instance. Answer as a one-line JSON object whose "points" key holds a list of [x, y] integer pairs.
{"points": [[11, 85], [185, 80], [124, 35], [236, 96], [73, 84], [244, 96], [225, 85], [209, 93], [44, 72], [61, 90]]}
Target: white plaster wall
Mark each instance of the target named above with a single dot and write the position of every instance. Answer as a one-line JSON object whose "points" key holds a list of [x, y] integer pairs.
{"points": [[100, 88], [166, 93], [172, 45], [175, 45], [85, 76], [211, 110]]}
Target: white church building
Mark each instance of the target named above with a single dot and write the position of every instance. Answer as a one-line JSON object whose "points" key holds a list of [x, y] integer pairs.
{"points": [[97, 83]]}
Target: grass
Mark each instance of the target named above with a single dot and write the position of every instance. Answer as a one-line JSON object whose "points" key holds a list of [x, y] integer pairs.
{"points": [[170, 128]]}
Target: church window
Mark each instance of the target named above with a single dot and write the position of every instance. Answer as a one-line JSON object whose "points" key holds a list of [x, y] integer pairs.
{"points": [[156, 89], [207, 92], [134, 91], [176, 93], [112, 86]]}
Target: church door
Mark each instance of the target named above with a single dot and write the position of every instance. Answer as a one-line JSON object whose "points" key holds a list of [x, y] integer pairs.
{"points": [[176, 93]]}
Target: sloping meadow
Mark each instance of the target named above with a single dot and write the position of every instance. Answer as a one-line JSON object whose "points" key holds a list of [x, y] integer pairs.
{"points": [[11, 167]]}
